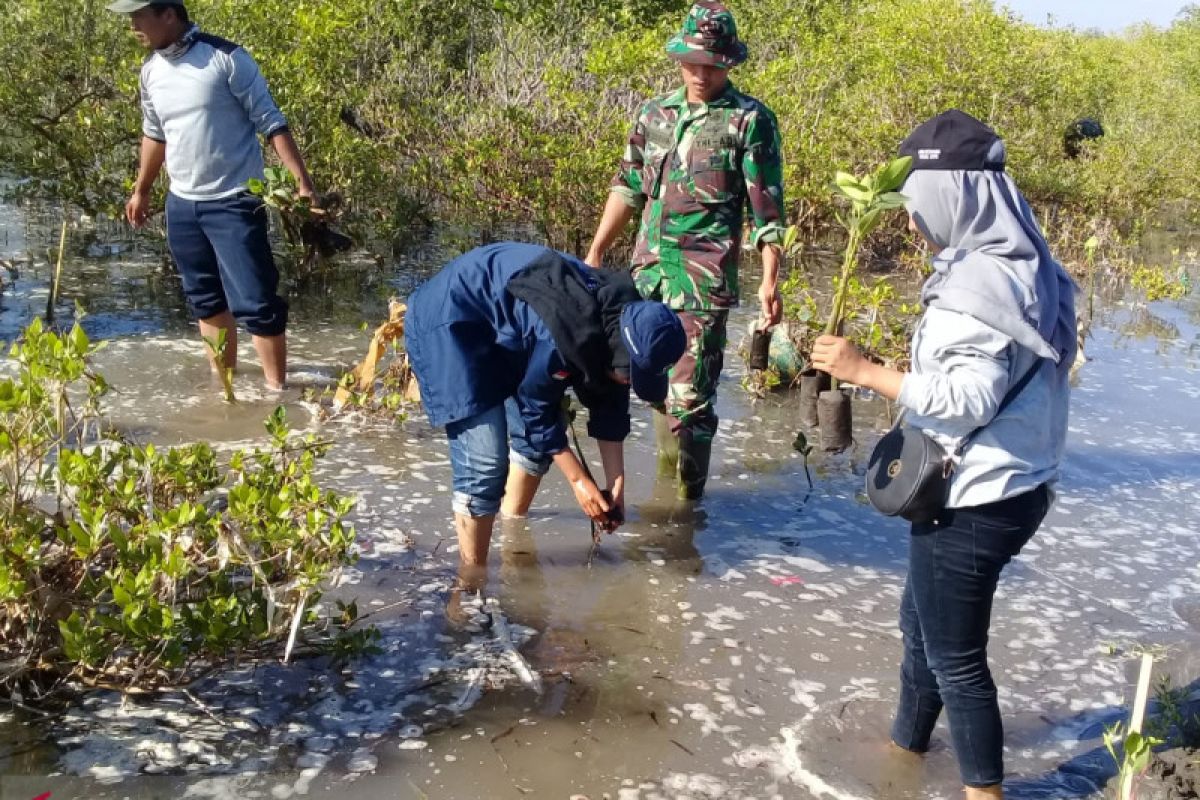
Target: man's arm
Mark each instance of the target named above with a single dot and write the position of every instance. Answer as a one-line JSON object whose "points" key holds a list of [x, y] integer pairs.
{"points": [[289, 153], [153, 154], [768, 290], [250, 88], [617, 213], [626, 197], [612, 456], [762, 170]]}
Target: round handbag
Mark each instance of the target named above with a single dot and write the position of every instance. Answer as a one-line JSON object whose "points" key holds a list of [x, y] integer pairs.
{"points": [[909, 475]]}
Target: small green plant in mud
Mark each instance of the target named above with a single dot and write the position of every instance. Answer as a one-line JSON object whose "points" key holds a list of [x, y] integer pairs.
{"points": [[391, 397], [868, 198], [133, 567], [1132, 752], [386, 394], [800, 445], [1170, 724], [218, 350], [761, 382]]}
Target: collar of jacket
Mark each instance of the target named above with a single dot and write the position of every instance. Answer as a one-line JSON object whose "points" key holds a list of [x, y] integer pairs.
{"points": [[176, 49], [678, 98], [583, 320]]}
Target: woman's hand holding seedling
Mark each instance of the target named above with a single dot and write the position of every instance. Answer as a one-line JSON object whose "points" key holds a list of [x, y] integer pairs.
{"points": [[842, 360]]}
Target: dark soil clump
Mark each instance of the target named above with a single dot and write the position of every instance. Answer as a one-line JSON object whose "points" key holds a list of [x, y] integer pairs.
{"points": [[1172, 775]]}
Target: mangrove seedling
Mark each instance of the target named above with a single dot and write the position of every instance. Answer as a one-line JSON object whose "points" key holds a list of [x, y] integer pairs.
{"points": [[218, 347], [1134, 757], [801, 446], [867, 200]]}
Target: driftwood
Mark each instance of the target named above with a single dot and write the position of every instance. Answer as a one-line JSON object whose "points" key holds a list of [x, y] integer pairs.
{"points": [[364, 374]]}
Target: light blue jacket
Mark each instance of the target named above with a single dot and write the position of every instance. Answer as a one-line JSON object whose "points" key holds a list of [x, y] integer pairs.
{"points": [[209, 105], [961, 371]]}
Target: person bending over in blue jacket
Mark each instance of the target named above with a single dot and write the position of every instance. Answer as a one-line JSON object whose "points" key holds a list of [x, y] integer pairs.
{"points": [[495, 340]]}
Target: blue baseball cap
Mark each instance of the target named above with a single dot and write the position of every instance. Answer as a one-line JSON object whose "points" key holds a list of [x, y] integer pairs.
{"points": [[655, 340]]}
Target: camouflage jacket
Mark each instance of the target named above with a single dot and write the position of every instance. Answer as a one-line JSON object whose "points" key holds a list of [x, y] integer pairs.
{"points": [[690, 172]]}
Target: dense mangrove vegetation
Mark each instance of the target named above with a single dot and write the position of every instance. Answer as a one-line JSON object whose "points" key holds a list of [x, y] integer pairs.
{"points": [[516, 110]]}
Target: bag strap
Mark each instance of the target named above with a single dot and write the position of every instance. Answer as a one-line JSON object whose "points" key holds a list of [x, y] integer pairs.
{"points": [[1016, 389]]}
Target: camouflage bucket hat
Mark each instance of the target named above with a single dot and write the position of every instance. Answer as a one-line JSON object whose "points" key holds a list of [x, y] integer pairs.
{"points": [[709, 36]]}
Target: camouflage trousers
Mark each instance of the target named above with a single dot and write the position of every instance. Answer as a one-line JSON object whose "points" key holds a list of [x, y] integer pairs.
{"points": [[691, 401]]}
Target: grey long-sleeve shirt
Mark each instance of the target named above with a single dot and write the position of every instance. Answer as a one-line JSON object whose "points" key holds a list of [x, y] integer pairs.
{"points": [[962, 370], [209, 105]]}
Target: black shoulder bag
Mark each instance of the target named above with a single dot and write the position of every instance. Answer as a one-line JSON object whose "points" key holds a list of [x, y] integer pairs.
{"points": [[909, 473]]}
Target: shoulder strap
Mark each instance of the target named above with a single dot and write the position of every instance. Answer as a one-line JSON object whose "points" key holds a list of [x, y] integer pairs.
{"points": [[1016, 389]]}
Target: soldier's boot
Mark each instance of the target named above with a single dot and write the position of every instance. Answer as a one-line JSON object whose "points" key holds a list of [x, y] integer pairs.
{"points": [[519, 491], [694, 458], [668, 446]]}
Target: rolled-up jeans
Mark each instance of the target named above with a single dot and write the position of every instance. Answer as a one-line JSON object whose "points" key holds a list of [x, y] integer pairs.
{"points": [[954, 565], [480, 455]]}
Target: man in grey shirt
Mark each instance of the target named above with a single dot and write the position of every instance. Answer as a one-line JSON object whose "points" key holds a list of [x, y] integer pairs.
{"points": [[204, 105]]}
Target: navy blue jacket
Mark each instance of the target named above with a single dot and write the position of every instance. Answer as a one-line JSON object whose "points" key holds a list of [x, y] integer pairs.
{"points": [[473, 345]]}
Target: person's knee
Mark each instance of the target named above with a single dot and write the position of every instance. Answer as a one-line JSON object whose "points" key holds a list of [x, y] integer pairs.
{"points": [[269, 319], [481, 502], [963, 674], [206, 305], [479, 461]]}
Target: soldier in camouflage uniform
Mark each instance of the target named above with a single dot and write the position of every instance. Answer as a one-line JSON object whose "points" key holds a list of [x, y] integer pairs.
{"points": [[695, 159]]}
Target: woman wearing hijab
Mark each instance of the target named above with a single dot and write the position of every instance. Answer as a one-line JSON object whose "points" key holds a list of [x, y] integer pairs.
{"points": [[998, 308]]}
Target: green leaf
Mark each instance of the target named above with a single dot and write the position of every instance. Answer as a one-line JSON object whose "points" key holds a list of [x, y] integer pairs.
{"points": [[893, 175], [855, 193], [844, 179], [870, 221], [789, 237], [79, 340]]}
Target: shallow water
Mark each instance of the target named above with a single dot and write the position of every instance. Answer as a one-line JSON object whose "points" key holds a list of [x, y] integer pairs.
{"points": [[746, 647]]}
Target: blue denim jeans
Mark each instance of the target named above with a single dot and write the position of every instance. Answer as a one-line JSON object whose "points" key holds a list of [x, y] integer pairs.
{"points": [[480, 455], [954, 565]]}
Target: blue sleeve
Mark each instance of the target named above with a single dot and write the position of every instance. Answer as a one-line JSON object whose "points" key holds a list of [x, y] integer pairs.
{"points": [[250, 88], [539, 401]]}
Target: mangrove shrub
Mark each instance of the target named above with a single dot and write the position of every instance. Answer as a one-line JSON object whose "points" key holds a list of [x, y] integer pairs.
{"points": [[133, 566], [493, 112]]}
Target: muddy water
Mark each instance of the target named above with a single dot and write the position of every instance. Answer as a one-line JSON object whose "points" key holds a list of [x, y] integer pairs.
{"points": [[745, 647]]}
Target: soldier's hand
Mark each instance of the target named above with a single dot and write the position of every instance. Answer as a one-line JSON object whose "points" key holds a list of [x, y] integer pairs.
{"points": [[772, 303], [594, 260]]}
